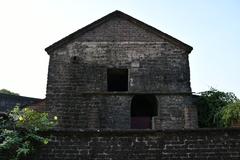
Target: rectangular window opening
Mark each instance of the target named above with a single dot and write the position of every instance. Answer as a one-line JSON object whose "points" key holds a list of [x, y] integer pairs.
{"points": [[117, 79]]}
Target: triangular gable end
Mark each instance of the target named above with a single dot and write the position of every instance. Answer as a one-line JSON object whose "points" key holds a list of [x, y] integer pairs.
{"points": [[114, 19], [119, 29]]}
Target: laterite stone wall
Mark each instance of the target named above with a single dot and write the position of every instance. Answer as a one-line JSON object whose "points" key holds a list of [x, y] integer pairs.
{"points": [[77, 78], [204, 144], [7, 102]]}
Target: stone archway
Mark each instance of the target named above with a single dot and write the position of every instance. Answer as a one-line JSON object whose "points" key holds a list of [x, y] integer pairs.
{"points": [[143, 108]]}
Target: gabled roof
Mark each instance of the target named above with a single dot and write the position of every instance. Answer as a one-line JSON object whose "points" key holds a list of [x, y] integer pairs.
{"points": [[124, 16]]}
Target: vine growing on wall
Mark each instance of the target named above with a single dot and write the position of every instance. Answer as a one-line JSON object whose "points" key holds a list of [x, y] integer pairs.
{"points": [[19, 132]]}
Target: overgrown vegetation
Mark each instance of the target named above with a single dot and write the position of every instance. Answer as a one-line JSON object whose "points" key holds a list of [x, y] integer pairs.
{"points": [[230, 114], [19, 132], [213, 105]]}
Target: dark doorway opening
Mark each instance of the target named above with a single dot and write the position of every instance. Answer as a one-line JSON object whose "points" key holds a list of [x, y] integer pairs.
{"points": [[117, 79], [143, 108]]}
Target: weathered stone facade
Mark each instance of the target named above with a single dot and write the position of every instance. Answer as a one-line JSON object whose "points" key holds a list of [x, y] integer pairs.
{"points": [[156, 64]]}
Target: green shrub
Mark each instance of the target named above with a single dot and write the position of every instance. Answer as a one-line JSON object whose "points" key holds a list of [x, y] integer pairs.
{"points": [[230, 114], [209, 104], [19, 133]]}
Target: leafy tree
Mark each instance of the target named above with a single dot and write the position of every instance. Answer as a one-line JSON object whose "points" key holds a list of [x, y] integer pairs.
{"points": [[19, 132], [5, 91], [230, 114], [209, 104]]}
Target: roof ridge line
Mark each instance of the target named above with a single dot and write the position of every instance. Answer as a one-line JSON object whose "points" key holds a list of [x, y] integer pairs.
{"points": [[125, 16]]}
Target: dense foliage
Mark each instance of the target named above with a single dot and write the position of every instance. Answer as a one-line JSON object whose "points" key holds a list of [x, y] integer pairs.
{"points": [[19, 132], [230, 114], [210, 104]]}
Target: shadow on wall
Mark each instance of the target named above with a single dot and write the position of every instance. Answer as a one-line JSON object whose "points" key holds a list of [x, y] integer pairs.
{"points": [[143, 108]]}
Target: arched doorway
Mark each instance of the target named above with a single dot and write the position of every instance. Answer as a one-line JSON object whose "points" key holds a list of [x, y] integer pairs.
{"points": [[143, 108]]}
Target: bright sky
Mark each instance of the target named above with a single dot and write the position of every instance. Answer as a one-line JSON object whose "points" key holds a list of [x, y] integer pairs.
{"points": [[27, 27]]}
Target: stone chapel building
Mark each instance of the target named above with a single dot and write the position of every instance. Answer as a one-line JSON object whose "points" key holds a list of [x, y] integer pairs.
{"points": [[120, 73]]}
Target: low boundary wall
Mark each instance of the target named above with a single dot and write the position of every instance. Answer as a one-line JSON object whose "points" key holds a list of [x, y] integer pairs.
{"points": [[142, 145]]}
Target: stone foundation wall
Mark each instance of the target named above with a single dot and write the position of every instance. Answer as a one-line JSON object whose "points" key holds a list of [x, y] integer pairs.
{"points": [[143, 144]]}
